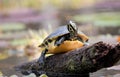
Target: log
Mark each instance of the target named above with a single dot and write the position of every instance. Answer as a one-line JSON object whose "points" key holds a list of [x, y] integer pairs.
{"points": [[77, 63]]}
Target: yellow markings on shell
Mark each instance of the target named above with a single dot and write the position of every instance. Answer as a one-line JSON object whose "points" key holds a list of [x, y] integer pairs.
{"points": [[67, 46], [64, 47], [50, 47]]}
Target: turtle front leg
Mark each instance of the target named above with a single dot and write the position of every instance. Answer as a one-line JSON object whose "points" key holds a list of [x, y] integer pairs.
{"points": [[59, 41], [41, 60]]}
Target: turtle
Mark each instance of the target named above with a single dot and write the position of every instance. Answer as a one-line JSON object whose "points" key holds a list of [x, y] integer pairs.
{"points": [[64, 39]]}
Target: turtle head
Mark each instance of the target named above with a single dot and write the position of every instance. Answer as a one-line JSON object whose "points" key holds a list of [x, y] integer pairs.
{"points": [[73, 25], [75, 34], [72, 28]]}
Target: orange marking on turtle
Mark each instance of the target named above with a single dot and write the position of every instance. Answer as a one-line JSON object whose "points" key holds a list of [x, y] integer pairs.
{"points": [[66, 46]]}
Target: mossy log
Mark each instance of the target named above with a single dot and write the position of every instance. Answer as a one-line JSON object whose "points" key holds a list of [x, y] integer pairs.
{"points": [[77, 63]]}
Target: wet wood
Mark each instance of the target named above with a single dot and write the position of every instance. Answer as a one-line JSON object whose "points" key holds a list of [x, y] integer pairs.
{"points": [[77, 63]]}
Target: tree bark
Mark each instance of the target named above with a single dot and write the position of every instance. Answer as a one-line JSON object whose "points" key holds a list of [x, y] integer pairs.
{"points": [[77, 63]]}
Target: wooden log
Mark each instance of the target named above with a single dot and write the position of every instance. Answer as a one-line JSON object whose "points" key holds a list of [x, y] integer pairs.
{"points": [[77, 63]]}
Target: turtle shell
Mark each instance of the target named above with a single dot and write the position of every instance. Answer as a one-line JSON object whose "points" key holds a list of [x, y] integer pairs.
{"points": [[59, 32]]}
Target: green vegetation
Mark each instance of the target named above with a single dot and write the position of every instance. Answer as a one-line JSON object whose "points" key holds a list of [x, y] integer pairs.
{"points": [[100, 19], [12, 26], [19, 42]]}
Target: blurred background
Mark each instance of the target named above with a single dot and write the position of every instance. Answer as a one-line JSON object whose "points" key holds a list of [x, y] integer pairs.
{"points": [[25, 23]]}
